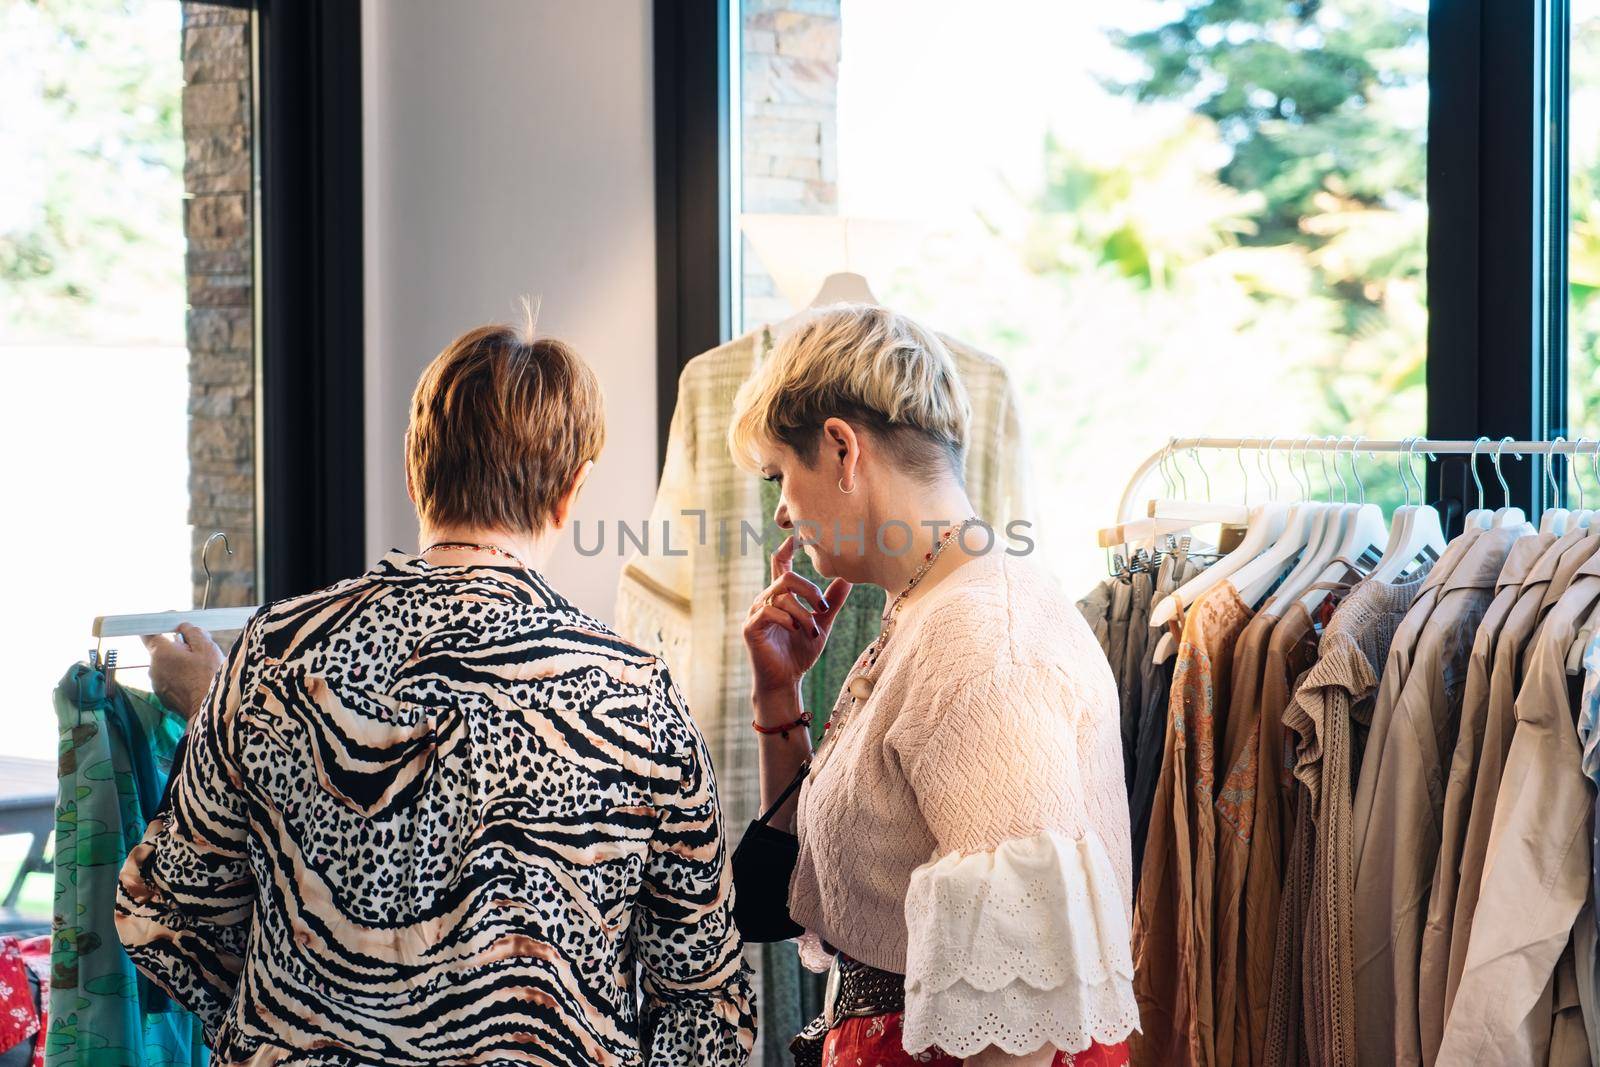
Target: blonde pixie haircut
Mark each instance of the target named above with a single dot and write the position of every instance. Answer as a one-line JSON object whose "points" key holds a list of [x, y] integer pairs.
{"points": [[874, 368]]}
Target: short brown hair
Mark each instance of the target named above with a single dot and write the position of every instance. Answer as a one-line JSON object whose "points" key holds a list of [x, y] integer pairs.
{"points": [[500, 423]]}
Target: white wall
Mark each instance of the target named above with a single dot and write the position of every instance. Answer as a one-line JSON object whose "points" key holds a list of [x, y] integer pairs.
{"points": [[508, 150]]}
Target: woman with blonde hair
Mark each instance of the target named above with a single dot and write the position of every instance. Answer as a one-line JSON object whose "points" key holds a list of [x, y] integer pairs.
{"points": [[961, 849]]}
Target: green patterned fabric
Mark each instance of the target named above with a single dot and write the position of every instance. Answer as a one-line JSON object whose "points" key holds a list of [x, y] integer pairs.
{"points": [[115, 754]]}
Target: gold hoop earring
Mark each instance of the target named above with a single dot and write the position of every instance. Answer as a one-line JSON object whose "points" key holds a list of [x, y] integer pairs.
{"points": [[842, 489]]}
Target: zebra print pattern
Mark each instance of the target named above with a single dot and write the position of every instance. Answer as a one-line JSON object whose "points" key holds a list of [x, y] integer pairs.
{"points": [[437, 815]]}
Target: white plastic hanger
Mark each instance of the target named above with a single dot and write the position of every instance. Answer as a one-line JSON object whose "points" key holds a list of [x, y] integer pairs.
{"points": [[1327, 535], [1480, 516], [1256, 578], [1416, 531], [1583, 517], [1400, 520], [165, 622], [1177, 514], [844, 287], [1554, 519], [1266, 525], [1506, 515], [1362, 537]]}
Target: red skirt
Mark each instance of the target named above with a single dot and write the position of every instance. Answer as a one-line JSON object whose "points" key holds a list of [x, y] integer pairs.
{"points": [[874, 1041]]}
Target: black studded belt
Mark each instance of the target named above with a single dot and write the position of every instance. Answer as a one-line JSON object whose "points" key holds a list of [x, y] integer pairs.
{"points": [[855, 990]]}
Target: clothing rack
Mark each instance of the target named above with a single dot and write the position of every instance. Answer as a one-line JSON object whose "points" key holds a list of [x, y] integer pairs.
{"points": [[1422, 446]]}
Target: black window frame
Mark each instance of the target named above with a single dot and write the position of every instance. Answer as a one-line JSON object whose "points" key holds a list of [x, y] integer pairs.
{"points": [[1497, 237], [310, 295]]}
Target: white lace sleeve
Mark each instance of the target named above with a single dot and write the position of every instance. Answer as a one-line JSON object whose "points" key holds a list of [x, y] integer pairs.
{"points": [[1021, 947]]}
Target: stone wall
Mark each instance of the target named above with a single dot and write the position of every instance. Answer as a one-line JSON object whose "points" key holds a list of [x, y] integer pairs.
{"points": [[217, 179], [791, 90]]}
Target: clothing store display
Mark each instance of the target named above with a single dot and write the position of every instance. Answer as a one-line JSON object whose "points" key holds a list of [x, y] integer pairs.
{"points": [[1155, 688], [990, 742], [1537, 872], [376, 811], [1400, 798], [117, 748], [1172, 927], [1291, 652], [1464, 766], [1408, 777], [1546, 582], [1235, 811], [1336, 695]]}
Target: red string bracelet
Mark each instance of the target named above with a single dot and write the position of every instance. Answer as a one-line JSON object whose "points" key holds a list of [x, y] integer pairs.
{"points": [[783, 731]]}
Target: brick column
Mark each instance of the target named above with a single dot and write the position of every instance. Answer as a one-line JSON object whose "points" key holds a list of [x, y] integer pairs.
{"points": [[217, 179], [790, 113]]}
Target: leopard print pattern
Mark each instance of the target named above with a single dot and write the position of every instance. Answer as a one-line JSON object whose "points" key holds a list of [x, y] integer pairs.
{"points": [[437, 815]]}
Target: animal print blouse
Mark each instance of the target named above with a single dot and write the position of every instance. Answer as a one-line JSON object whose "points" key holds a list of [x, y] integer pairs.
{"points": [[437, 815]]}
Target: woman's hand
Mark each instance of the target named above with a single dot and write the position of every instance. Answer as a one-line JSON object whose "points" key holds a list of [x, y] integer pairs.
{"points": [[783, 636], [181, 670]]}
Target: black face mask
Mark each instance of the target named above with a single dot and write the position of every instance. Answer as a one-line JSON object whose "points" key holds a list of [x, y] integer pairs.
{"points": [[762, 866]]}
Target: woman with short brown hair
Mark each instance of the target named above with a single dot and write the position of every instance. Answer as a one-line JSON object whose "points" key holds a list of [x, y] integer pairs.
{"points": [[435, 814]]}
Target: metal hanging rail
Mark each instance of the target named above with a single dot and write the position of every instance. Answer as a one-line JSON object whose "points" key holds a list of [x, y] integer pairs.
{"points": [[1483, 446]]}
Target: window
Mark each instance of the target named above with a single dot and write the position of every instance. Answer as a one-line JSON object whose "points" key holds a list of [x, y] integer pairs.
{"points": [[127, 285], [1583, 244], [1165, 218]]}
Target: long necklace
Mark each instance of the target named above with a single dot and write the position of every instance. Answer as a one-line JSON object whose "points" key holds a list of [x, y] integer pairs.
{"points": [[470, 546], [859, 685]]}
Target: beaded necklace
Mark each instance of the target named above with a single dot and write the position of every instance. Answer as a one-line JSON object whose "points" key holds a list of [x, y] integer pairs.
{"points": [[859, 685], [469, 546]]}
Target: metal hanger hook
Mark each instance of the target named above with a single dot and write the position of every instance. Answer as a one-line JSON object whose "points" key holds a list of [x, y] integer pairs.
{"points": [[1473, 462], [1194, 454], [1594, 463], [1557, 495], [1238, 457], [1344, 486], [1577, 471], [205, 564], [1361, 486], [1177, 470], [1305, 466], [1402, 464], [1264, 464], [1505, 490]]}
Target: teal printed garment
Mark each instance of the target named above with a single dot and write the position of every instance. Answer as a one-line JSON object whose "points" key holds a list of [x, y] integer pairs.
{"points": [[116, 752]]}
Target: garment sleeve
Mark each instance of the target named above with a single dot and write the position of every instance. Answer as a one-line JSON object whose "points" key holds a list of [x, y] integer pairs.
{"points": [[185, 893], [655, 589], [698, 1005], [1018, 929]]}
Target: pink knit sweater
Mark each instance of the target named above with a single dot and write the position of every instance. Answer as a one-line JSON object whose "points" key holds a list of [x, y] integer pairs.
{"points": [[993, 721]]}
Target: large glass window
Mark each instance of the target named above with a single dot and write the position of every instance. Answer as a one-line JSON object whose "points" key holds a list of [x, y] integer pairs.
{"points": [[1166, 218], [126, 336], [1583, 247]]}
